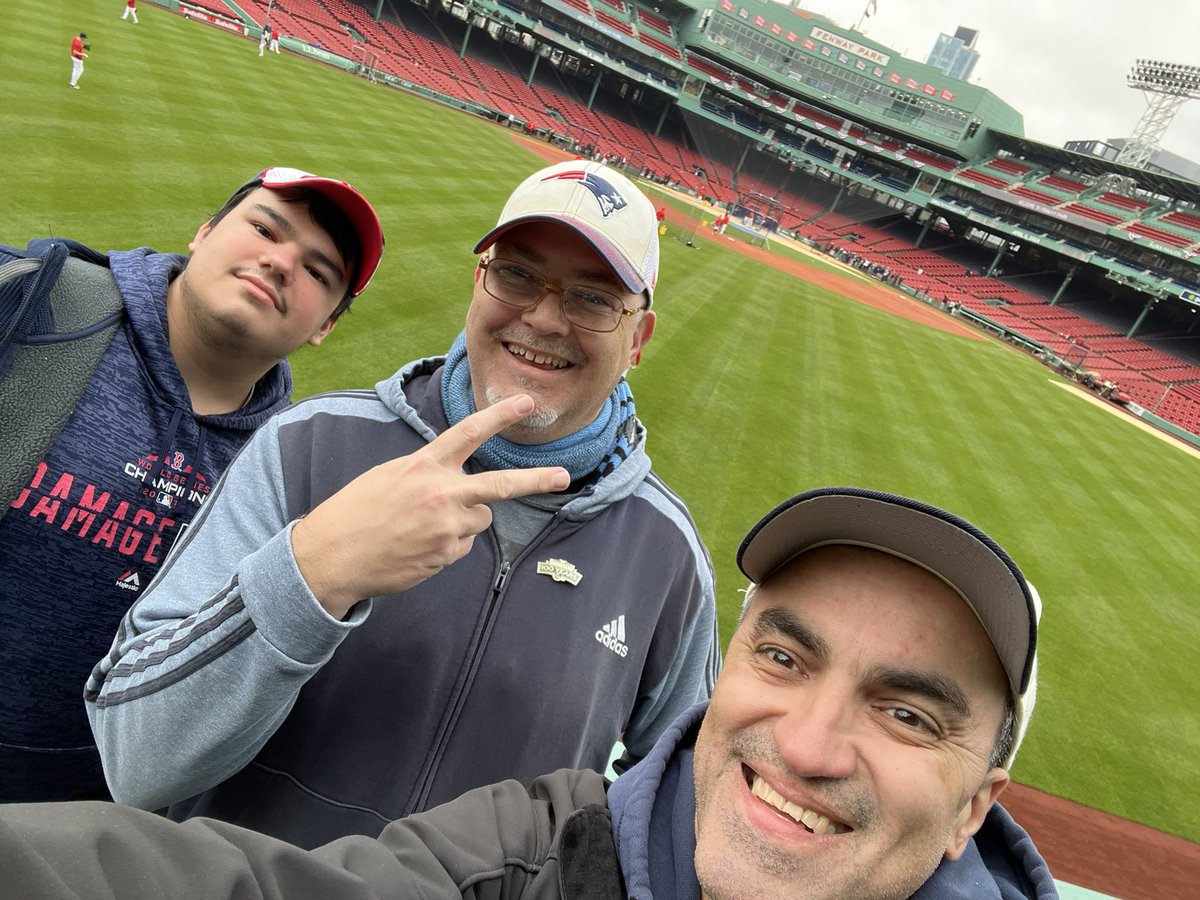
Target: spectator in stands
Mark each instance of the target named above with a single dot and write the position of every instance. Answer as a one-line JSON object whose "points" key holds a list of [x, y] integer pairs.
{"points": [[195, 361], [877, 690], [335, 643]]}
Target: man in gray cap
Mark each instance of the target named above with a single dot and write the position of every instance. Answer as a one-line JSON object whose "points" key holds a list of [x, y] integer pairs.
{"points": [[358, 629], [872, 701]]}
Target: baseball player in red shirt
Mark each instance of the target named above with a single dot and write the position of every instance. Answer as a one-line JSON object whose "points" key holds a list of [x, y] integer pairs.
{"points": [[78, 55], [130, 10]]}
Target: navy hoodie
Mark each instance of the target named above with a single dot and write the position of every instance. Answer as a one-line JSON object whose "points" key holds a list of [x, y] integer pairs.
{"points": [[653, 809], [122, 480]]}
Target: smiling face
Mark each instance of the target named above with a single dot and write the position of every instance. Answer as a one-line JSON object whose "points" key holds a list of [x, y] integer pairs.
{"points": [[568, 370], [261, 282], [845, 751]]}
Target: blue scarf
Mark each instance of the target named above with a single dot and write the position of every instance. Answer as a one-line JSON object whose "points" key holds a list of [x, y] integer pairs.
{"points": [[598, 447]]}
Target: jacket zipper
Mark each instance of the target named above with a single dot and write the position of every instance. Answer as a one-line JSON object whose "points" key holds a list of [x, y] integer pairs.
{"points": [[451, 720]]}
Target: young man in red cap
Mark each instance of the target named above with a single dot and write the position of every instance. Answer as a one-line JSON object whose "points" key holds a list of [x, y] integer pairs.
{"points": [[196, 361], [350, 634]]}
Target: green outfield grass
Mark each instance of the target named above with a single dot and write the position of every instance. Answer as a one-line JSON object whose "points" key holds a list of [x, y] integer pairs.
{"points": [[755, 386]]}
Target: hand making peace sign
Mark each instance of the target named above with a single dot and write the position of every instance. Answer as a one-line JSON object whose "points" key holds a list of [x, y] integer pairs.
{"points": [[410, 517]]}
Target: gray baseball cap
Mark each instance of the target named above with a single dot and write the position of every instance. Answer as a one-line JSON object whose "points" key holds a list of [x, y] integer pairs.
{"points": [[971, 563]]}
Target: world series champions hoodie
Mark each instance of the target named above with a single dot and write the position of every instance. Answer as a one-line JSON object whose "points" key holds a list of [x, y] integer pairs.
{"points": [[78, 545]]}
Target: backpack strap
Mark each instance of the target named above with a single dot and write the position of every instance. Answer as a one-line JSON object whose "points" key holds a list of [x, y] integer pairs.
{"points": [[58, 314], [25, 282]]}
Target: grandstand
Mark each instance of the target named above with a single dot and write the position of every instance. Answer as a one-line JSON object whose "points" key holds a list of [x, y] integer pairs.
{"points": [[851, 145]]}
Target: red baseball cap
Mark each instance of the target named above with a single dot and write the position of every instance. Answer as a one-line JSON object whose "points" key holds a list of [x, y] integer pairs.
{"points": [[343, 195]]}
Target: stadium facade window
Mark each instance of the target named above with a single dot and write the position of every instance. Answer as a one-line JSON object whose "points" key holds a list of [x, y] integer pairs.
{"points": [[825, 77]]}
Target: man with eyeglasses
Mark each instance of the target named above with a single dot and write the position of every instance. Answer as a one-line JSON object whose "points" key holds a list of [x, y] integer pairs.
{"points": [[373, 617], [125, 390]]}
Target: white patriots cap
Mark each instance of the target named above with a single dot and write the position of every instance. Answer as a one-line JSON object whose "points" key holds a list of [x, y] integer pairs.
{"points": [[600, 205]]}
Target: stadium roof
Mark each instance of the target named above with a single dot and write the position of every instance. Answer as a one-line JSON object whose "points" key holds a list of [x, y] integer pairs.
{"points": [[1085, 163]]}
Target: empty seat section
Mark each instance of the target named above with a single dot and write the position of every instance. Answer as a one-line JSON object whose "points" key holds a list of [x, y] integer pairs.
{"points": [[930, 159], [660, 45], [1009, 166], [1090, 212], [658, 23], [712, 70], [1180, 408], [1029, 193], [1181, 219], [1158, 234], [1066, 185], [1121, 202], [613, 22], [982, 178], [819, 117], [213, 6]]}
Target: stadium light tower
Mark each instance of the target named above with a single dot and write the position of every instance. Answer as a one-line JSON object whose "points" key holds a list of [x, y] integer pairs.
{"points": [[1167, 86]]}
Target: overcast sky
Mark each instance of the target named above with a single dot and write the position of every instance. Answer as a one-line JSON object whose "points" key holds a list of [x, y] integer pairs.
{"points": [[1061, 63]]}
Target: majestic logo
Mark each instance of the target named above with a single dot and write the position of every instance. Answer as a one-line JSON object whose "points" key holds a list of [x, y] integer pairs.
{"points": [[129, 581], [560, 570], [606, 195], [612, 636]]}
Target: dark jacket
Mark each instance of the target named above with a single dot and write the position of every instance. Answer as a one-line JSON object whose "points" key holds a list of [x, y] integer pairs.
{"points": [[556, 839], [657, 798], [308, 728], [82, 540]]}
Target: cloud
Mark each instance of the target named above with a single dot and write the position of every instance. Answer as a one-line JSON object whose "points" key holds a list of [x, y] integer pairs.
{"points": [[1062, 65]]}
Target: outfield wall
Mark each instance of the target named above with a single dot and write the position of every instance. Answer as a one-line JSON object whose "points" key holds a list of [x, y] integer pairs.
{"points": [[206, 15]]}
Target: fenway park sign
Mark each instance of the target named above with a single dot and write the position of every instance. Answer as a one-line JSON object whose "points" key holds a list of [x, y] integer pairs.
{"points": [[855, 49]]}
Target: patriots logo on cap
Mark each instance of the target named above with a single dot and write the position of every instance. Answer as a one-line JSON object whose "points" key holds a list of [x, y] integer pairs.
{"points": [[606, 195]]}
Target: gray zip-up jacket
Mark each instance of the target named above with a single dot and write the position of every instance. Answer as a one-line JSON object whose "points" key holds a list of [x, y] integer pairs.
{"points": [[227, 683]]}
